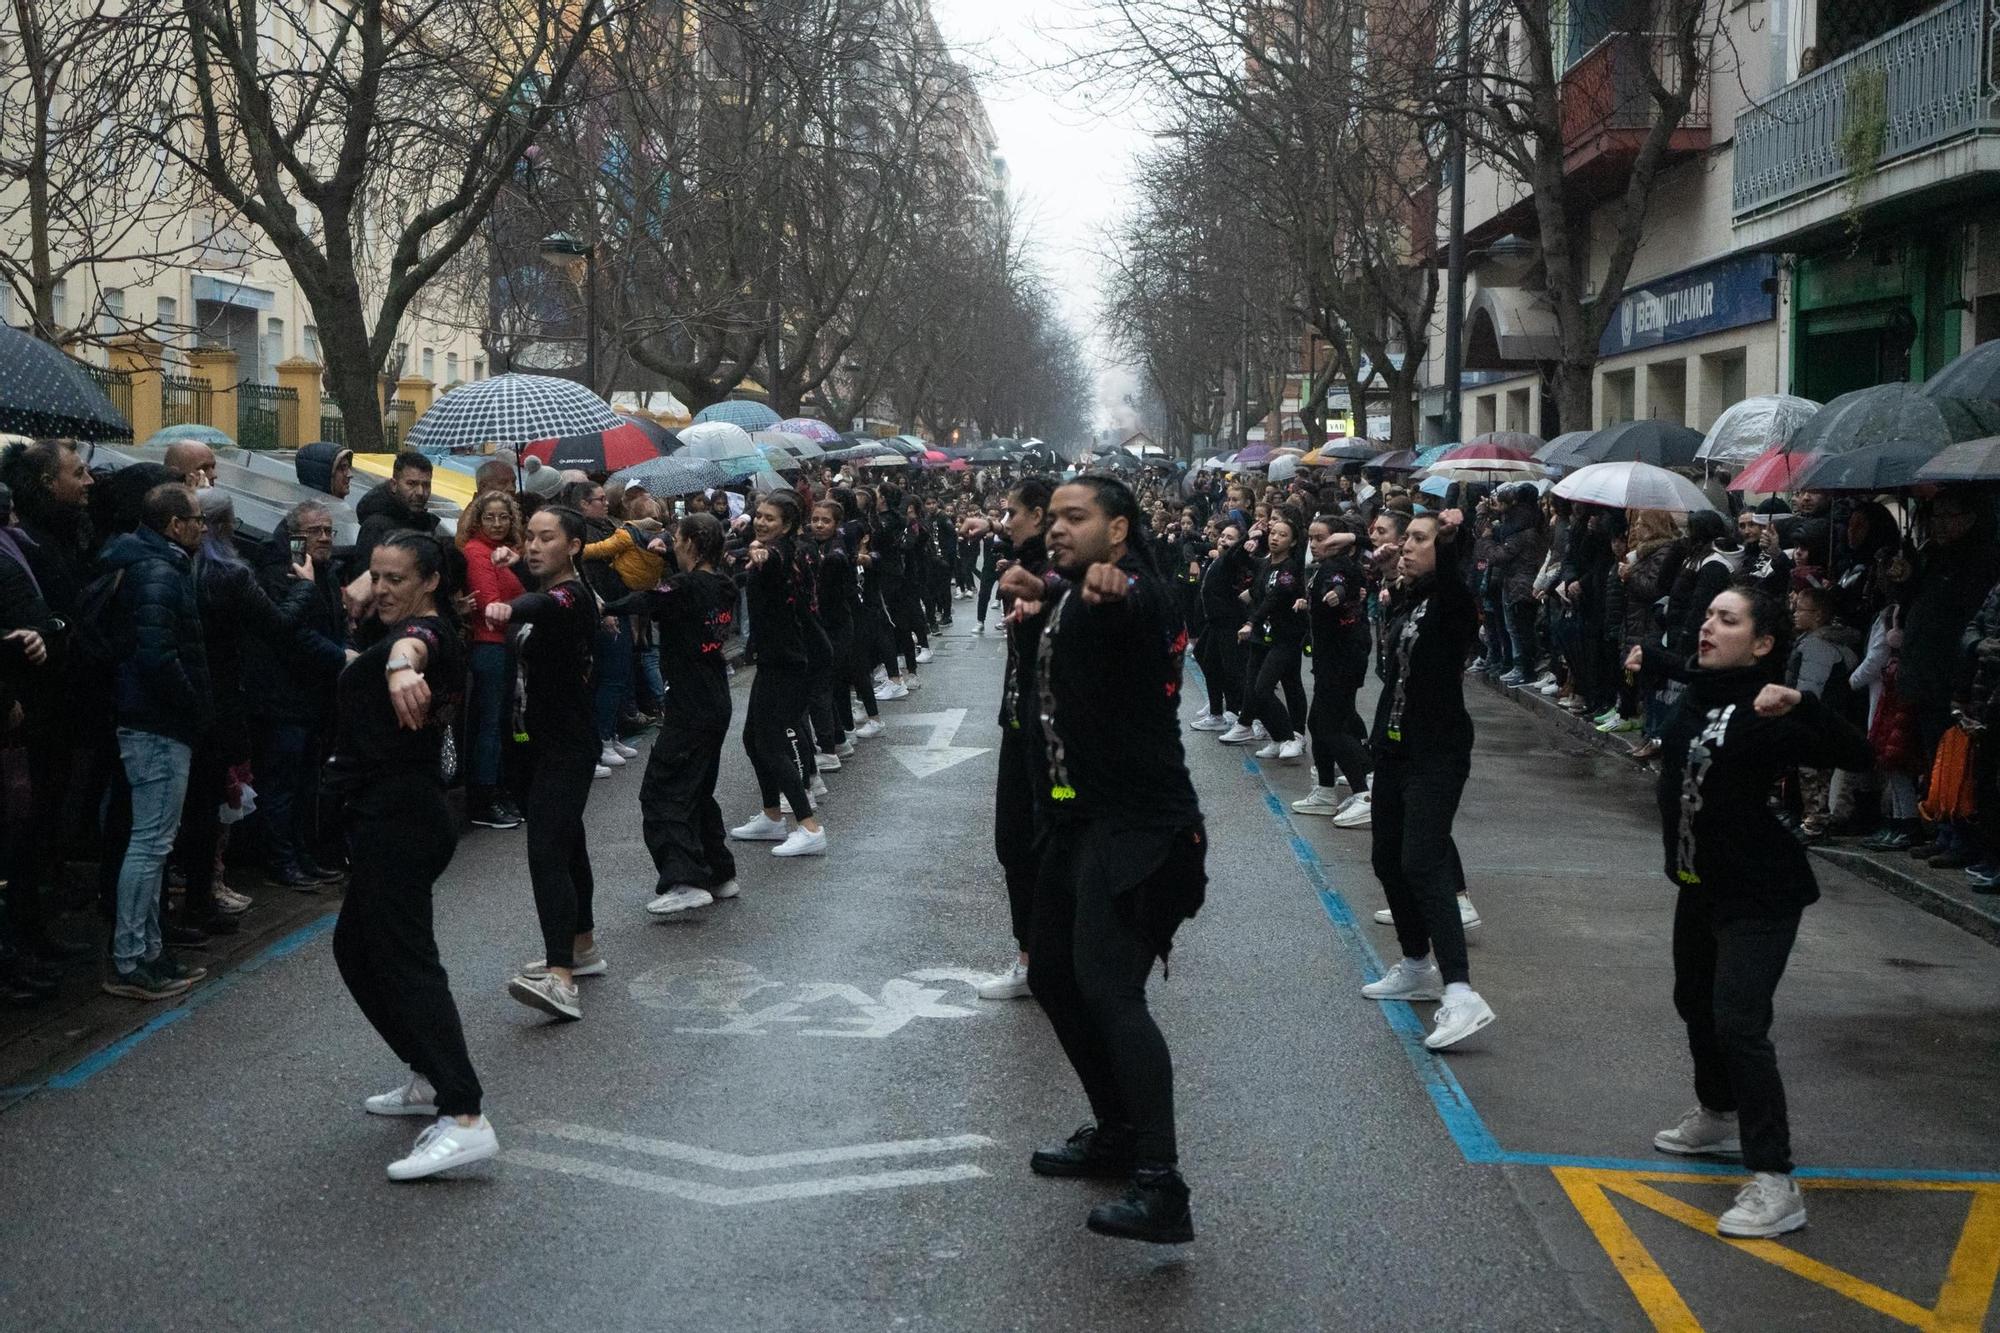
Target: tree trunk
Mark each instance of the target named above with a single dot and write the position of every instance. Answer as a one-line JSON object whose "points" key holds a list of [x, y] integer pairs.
{"points": [[1573, 394], [351, 371]]}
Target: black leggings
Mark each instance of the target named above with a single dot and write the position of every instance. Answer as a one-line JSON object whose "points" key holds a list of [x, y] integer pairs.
{"points": [[1726, 972], [385, 944], [559, 853], [1414, 856], [1220, 658], [1277, 668], [896, 637], [1014, 830], [987, 578], [678, 815], [775, 718], [831, 714], [1339, 738]]}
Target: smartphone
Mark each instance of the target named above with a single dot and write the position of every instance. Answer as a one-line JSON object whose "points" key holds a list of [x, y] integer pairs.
{"points": [[298, 550]]}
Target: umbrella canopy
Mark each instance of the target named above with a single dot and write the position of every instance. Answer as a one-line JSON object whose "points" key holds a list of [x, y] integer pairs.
{"points": [[1772, 471], [798, 446], [1253, 456], [1970, 460], [934, 458], [990, 454], [189, 434], [1973, 374], [738, 412], [1559, 448], [658, 434], [44, 392], [1661, 443], [1632, 485], [810, 428], [679, 475], [1509, 439], [1351, 450], [1425, 457], [717, 439], [1877, 467], [1484, 462], [1754, 425], [890, 459], [1437, 486], [1116, 460], [1395, 460], [1284, 468], [511, 410], [623, 446], [779, 458], [864, 450], [1894, 412]]}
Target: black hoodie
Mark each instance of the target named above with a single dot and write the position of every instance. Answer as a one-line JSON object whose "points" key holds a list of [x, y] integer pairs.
{"points": [[1421, 660]]}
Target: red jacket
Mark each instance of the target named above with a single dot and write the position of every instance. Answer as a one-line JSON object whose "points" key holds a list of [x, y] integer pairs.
{"points": [[489, 584]]}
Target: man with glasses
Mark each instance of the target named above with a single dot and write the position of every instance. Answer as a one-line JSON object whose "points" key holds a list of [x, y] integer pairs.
{"points": [[162, 704]]}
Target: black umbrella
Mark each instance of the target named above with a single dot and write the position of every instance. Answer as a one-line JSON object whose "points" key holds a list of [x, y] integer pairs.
{"points": [[1115, 461], [1970, 460], [663, 439], [44, 392], [1894, 412], [1354, 451], [1876, 467], [1973, 374], [1395, 460], [1661, 443], [990, 454]]}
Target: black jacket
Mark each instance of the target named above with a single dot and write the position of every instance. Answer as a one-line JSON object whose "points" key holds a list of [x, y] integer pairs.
{"points": [[161, 684], [235, 611], [316, 464], [291, 679], [1421, 660], [381, 512]]}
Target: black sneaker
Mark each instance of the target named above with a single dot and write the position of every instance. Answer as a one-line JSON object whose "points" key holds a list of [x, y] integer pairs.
{"points": [[494, 815], [1155, 1210], [142, 983], [1089, 1153], [320, 874], [184, 936], [173, 969], [292, 877]]}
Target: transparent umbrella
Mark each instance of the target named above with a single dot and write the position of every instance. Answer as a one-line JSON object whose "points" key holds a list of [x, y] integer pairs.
{"points": [[1750, 427]]}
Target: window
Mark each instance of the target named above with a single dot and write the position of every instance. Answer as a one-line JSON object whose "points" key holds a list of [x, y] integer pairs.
{"points": [[111, 312], [272, 351], [1724, 383], [1617, 402], [310, 338], [451, 367], [167, 315], [59, 300], [1667, 391], [430, 363], [479, 367], [1483, 412]]}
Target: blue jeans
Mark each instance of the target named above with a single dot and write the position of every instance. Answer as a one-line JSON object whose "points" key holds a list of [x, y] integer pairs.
{"points": [[1520, 620], [614, 675], [156, 768], [649, 665], [488, 713]]}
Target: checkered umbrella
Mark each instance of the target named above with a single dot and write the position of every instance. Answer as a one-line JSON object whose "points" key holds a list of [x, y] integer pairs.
{"points": [[44, 392], [679, 475], [738, 412], [511, 410], [816, 431]]}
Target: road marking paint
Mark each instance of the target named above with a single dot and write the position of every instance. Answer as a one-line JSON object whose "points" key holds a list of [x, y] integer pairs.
{"points": [[727, 1195], [720, 989], [925, 761], [717, 1160], [1963, 1298]]}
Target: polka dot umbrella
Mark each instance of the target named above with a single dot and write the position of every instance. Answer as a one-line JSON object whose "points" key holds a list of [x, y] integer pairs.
{"points": [[44, 392]]}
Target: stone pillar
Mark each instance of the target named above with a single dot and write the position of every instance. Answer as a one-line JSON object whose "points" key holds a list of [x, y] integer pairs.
{"points": [[216, 367], [302, 377], [416, 390], [139, 357]]}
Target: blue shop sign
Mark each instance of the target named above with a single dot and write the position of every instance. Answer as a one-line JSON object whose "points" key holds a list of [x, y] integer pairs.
{"points": [[1724, 295]]}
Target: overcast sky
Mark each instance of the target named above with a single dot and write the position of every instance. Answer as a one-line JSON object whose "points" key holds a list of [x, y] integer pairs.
{"points": [[1070, 159]]}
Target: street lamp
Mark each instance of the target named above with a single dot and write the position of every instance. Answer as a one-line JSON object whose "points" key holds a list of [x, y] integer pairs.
{"points": [[564, 247]]}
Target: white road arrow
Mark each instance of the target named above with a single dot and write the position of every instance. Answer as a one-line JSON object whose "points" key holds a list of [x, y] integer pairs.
{"points": [[938, 753]]}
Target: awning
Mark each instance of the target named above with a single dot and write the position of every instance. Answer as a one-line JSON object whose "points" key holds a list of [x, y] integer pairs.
{"points": [[1508, 327]]}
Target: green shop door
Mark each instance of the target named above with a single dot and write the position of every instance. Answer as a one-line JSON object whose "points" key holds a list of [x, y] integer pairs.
{"points": [[1840, 351]]}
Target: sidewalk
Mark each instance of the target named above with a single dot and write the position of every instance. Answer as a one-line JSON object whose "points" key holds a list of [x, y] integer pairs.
{"points": [[1943, 893]]}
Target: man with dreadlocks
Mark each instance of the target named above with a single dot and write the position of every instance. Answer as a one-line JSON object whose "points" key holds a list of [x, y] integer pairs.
{"points": [[1123, 848]]}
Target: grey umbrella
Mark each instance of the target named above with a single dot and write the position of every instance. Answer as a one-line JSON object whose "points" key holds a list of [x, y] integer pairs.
{"points": [[678, 474], [44, 392], [1894, 412], [1969, 460], [1888, 466], [1661, 443], [1973, 374]]}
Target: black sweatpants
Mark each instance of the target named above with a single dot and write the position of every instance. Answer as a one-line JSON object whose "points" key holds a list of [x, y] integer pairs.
{"points": [[772, 724], [1088, 964], [400, 838], [832, 710], [857, 673], [987, 578], [1014, 830], [559, 852], [1415, 800], [678, 815], [1278, 668], [1339, 737], [1726, 971], [1220, 658]]}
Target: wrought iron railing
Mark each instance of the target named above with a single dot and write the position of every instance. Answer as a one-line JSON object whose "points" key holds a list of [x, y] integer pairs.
{"points": [[332, 425], [267, 416], [1930, 80], [184, 402], [117, 386], [396, 422]]}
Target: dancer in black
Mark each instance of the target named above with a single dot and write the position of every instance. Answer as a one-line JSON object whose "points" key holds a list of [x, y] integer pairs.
{"points": [[680, 820], [1220, 653], [554, 706], [782, 690], [395, 703], [1277, 635], [1423, 754], [1124, 852], [839, 614], [1337, 603]]}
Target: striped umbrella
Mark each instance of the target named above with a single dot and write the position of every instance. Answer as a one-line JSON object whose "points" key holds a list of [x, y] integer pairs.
{"points": [[738, 412], [510, 410]]}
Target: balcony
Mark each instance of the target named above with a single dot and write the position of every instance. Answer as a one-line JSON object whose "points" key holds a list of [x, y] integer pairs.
{"points": [[1925, 91]]}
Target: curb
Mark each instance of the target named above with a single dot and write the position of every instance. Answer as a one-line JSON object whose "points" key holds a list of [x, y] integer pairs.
{"points": [[1970, 912]]}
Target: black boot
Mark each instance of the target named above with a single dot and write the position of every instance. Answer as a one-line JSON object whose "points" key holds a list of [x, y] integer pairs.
{"points": [[1156, 1209], [1097, 1154]]}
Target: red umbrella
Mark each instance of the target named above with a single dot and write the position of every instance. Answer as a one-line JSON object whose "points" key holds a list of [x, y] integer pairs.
{"points": [[1485, 452], [958, 465], [624, 445], [933, 458], [1772, 471]]}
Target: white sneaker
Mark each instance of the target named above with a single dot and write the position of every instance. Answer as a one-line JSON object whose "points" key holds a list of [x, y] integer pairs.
{"points": [[910, 682], [1257, 730], [844, 750], [1458, 1019], [870, 729], [1292, 749], [818, 788], [548, 994], [610, 758], [880, 675], [416, 1097], [589, 963], [1357, 811], [626, 750], [1318, 801], [680, 898], [1238, 734], [1770, 1205], [1468, 915], [891, 692], [827, 762], [1206, 722], [601, 771], [760, 829], [1009, 985], [803, 842], [1407, 981], [444, 1145], [924, 655], [1702, 1133], [1270, 750], [729, 888]]}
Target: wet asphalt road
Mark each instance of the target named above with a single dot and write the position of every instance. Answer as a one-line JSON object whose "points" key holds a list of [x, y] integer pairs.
{"points": [[790, 1112]]}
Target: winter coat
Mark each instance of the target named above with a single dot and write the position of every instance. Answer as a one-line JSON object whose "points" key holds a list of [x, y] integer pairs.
{"points": [[291, 679], [161, 683], [1519, 545], [1951, 583], [1821, 657], [1651, 578], [1701, 577], [316, 464], [235, 608]]}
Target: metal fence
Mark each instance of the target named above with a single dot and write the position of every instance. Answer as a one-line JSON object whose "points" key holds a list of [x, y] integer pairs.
{"points": [[396, 423], [184, 402], [117, 386], [1934, 77], [266, 416]]}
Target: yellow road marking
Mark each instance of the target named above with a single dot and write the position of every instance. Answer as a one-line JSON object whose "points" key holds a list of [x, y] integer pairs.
{"points": [[1963, 1298]]}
